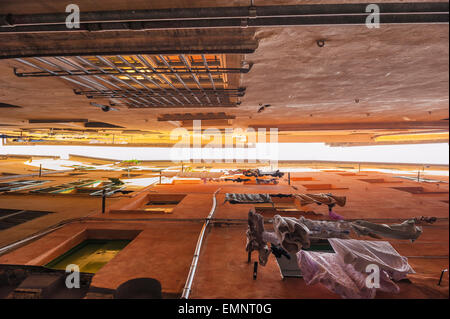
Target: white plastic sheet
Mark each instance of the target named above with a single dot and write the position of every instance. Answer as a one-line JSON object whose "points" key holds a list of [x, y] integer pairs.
{"points": [[329, 270], [360, 253], [344, 272]]}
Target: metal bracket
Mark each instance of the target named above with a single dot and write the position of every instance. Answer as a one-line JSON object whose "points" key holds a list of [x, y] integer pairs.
{"points": [[252, 12], [20, 75], [244, 23]]}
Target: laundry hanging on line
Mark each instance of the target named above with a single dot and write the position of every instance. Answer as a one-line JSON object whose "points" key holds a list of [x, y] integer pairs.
{"points": [[305, 199], [406, 230], [259, 173], [343, 272], [326, 199], [362, 253], [237, 180], [266, 181], [294, 234], [257, 238], [234, 198]]}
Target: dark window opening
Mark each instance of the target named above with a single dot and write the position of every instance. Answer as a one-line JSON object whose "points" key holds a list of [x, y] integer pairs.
{"points": [[65, 188], [101, 125], [377, 180], [305, 178], [316, 187], [19, 185], [417, 190], [165, 199], [5, 105], [163, 203], [320, 245], [13, 217], [269, 212]]}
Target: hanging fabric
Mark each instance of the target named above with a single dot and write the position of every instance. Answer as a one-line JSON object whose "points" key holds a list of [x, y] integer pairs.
{"points": [[406, 230], [234, 198]]}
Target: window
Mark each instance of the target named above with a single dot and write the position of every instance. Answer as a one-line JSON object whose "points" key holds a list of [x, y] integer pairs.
{"points": [[19, 185], [304, 178], [269, 212], [65, 188], [377, 180], [5, 105], [317, 187], [163, 203], [91, 255], [322, 245], [284, 206], [13, 217], [418, 191]]}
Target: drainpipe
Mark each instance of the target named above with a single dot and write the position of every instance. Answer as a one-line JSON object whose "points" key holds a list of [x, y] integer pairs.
{"points": [[191, 275]]}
